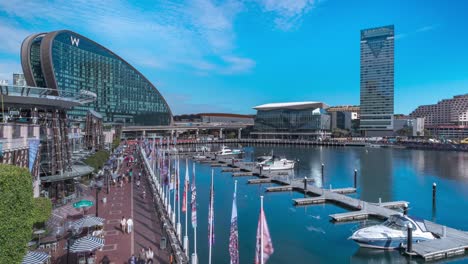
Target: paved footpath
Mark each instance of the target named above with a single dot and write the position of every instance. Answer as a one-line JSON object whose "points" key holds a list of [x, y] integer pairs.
{"points": [[148, 227], [128, 202], [118, 245]]}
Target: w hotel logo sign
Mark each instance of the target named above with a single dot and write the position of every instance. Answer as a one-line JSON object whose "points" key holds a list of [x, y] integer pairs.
{"points": [[74, 41]]}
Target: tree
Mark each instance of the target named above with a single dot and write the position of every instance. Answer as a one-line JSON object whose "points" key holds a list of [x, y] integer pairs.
{"points": [[97, 160], [42, 210], [16, 203]]}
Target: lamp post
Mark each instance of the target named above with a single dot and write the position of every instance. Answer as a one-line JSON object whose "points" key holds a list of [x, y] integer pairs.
{"points": [[98, 189]]}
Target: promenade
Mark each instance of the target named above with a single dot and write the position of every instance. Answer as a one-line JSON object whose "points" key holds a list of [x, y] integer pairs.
{"points": [[127, 201]]}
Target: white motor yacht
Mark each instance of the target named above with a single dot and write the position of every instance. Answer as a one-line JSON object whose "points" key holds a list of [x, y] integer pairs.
{"points": [[392, 234], [276, 163], [225, 151]]}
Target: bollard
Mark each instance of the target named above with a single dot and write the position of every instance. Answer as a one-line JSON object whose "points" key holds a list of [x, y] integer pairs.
{"points": [[444, 231], [409, 243], [322, 171], [405, 209], [380, 201], [305, 185], [434, 192], [330, 187], [355, 179]]}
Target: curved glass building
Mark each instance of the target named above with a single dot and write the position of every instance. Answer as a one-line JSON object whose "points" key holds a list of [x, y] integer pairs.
{"points": [[68, 62]]}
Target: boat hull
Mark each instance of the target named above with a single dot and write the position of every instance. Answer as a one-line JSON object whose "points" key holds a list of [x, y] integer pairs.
{"points": [[391, 243]]}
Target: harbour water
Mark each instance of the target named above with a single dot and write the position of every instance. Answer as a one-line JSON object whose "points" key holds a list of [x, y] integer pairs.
{"points": [[305, 234]]}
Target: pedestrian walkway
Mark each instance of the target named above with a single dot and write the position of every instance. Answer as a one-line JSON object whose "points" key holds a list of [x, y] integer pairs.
{"points": [[118, 245], [148, 227]]}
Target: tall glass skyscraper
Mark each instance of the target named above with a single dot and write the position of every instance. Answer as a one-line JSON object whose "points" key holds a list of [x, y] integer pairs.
{"points": [[377, 84]]}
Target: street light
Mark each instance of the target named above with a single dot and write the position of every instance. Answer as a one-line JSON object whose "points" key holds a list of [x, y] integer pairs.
{"points": [[98, 186]]}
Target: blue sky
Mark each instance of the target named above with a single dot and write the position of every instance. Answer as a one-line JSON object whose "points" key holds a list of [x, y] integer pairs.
{"points": [[228, 56]]}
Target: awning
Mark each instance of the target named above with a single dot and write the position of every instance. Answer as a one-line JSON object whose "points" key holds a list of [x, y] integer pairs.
{"points": [[77, 171], [88, 221], [35, 257], [87, 244]]}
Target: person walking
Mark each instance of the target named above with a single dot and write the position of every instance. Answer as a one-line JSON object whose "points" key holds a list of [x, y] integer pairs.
{"points": [[138, 184], [132, 259], [129, 225], [149, 256], [130, 174], [123, 224], [142, 256]]}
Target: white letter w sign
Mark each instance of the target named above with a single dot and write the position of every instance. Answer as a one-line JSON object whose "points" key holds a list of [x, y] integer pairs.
{"points": [[74, 41]]}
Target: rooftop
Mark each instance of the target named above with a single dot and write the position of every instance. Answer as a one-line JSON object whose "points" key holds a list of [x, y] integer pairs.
{"points": [[291, 105]]}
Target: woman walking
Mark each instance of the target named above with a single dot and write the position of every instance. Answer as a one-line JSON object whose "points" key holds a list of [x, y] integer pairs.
{"points": [[149, 256], [123, 224]]}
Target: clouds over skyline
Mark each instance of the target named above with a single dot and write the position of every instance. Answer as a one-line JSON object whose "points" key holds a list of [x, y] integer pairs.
{"points": [[196, 35]]}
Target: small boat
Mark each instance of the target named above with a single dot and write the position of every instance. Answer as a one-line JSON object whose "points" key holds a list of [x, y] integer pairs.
{"points": [[392, 234], [199, 157], [225, 151], [276, 163]]}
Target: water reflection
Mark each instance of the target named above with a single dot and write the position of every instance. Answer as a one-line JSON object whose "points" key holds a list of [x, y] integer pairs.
{"points": [[367, 255], [446, 164], [376, 174]]}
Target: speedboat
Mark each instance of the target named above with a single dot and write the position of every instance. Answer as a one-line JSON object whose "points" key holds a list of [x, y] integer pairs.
{"points": [[225, 151], [392, 234], [276, 163]]}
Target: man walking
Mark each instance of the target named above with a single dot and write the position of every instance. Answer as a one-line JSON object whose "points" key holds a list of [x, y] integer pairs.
{"points": [[129, 225]]}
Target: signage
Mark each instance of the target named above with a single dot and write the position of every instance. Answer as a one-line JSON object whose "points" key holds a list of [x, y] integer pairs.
{"points": [[74, 41]]}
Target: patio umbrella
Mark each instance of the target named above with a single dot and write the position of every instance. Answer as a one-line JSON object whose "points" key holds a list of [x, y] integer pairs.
{"points": [[35, 257], [83, 203], [87, 244], [88, 221]]}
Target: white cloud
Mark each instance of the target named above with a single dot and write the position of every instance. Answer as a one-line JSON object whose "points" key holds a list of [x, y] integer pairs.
{"points": [[288, 12], [11, 37], [195, 35]]}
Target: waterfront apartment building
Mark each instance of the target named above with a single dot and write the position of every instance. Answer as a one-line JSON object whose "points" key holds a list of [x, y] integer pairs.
{"points": [[448, 117], [69, 62], [377, 81], [296, 120], [344, 116]]}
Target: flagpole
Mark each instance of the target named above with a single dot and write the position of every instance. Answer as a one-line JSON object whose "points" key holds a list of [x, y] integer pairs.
{"points": [[194, 220], [173, 188], [169, 196], [179, 226], [261, 230], [211, 218], [186, 208]]}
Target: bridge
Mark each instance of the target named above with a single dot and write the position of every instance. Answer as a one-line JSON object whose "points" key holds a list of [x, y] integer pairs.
{"points": [[179, 128]]}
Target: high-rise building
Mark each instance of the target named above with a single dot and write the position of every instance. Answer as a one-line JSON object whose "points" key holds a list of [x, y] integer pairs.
{"points": [[377, 84], [18, 79], [71, 63]]}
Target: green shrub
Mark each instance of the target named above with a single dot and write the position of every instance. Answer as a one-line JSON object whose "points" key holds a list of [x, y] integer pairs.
{"points": [[41, 210], [16, 203]]}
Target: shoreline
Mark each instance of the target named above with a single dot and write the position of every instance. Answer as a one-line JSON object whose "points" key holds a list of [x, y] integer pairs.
{"points": [[405, 145]]}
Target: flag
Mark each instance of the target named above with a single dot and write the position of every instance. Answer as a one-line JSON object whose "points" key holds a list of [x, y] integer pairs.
{"points": [[234, 236], [265, 236], [176, 180], [186, 186], [211, 215], [194, 200]]}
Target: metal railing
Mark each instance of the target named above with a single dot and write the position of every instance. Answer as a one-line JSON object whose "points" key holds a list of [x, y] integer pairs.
{"points": [[81, 96]]}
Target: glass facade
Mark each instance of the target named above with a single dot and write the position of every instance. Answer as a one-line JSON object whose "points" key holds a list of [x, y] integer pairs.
{"points": [[291, 120], [35, 59], [71, 62], [377, 78]]}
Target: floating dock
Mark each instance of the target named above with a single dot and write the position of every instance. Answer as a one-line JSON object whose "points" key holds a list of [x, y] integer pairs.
{"points": [[450, 242]]}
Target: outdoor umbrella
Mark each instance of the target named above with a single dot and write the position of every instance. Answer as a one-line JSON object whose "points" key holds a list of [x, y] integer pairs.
{"points": [[83, 203], [88, 221], [87, 244], [35, 257]]}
